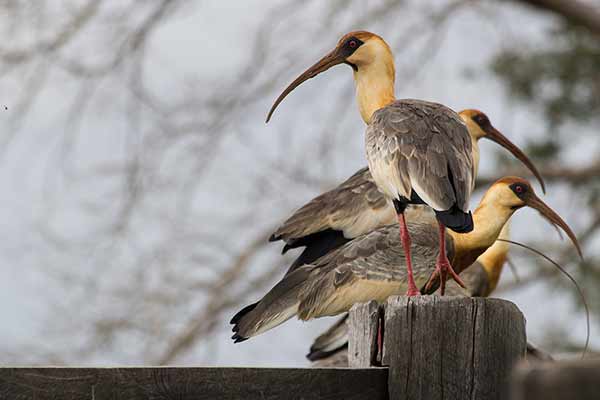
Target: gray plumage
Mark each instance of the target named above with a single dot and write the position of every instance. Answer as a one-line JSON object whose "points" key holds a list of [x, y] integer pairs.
{"points": [[370, 267], [355, 199], [423, 146]]}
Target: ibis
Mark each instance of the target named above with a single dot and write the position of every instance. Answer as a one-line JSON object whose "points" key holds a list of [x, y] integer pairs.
{"points": [[366, 268], [418, 152]]}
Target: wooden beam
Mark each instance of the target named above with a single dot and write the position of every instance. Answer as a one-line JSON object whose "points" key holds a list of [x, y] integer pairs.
{"points": [[451, 347], [557, 380], [192, 383]]}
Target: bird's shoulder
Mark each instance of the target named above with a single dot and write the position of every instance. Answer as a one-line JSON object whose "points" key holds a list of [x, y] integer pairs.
{"points": [[419, 120]]}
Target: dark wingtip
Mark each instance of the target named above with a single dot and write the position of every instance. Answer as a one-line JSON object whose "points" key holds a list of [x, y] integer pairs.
{"points": [[274, 237], [237, 338], [240, 314], [286, 248]]}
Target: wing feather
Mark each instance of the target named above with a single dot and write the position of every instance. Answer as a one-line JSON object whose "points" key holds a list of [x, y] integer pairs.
{"points": [[423, 146]]}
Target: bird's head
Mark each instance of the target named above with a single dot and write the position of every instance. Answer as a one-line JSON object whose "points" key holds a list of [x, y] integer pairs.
{"points": [[479, 126], [359, 49], [513, 193]]}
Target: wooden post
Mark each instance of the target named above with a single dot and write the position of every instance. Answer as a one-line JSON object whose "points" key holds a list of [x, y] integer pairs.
{"points": [[362, 343], [557, 380], [448, 347]]}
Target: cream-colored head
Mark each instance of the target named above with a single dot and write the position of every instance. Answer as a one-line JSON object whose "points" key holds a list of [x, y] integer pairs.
{"points": [[371, 59], [374, 72], [500, 201]]}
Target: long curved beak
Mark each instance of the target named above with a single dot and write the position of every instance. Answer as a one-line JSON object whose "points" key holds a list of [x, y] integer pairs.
{"points": [[331, 59], [534, 202], [495, 136]]}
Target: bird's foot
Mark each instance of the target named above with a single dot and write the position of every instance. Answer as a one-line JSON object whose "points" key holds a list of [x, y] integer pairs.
{"points": [[442, 269]]}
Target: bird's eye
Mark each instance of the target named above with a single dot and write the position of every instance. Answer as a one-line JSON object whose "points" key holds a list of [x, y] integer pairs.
{"points": [[352, 44], [519, 189], [481, 120]]}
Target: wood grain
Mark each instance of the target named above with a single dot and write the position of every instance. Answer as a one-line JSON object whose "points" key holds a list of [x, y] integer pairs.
{"points": [[362, 335], [192, 383], [451, 347]]}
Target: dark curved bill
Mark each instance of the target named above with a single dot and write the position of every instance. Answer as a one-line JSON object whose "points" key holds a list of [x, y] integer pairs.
{"points": [[495, 136], [331, 59], [534, 202]]}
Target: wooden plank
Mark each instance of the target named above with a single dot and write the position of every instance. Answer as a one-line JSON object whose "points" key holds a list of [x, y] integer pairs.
{"points": [[557, 380], [362, 335], [192, 383], [451, 347]]}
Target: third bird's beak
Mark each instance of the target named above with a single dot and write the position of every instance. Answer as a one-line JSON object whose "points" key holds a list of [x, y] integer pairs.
{"points": [[333, 58], [495, 136], [534, 202]]}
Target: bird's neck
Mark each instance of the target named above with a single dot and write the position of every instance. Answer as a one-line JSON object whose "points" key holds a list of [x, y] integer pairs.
{"points": [[493, 259], [488, 222], [374, 87], [475, 147]]}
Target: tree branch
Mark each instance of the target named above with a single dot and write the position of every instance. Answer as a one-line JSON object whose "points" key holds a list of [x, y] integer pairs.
{"points": [[574, 10]]}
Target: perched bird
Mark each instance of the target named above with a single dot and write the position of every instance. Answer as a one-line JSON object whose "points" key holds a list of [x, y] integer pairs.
{"points": [[330, 348], [418, 152], [367, 267], [356, 206]]}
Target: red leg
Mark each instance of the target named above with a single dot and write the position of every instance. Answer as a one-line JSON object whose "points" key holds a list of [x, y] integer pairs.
{"points": [[405, 239], [443, 266]]}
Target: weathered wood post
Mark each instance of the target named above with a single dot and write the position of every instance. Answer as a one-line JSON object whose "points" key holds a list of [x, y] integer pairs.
{"points": [[442, 347]]}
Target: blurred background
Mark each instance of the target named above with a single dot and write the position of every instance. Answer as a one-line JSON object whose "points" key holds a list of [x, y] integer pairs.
{"points": [[140, 182]]}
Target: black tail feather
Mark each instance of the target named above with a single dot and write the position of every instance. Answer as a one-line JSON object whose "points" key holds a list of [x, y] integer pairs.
{"points": [[240, 314], [456, 219]]}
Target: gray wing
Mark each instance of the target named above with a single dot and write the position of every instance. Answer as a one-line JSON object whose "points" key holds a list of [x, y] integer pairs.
{"points": [[375, 260], [424, 146], [354, 207]]}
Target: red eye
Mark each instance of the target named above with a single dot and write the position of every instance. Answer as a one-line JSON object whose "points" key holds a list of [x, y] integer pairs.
{"points": [[519, 189], [352, 44]]}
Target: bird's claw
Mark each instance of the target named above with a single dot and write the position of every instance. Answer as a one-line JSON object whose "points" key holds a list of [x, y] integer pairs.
{"points": [[442, 269]]}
